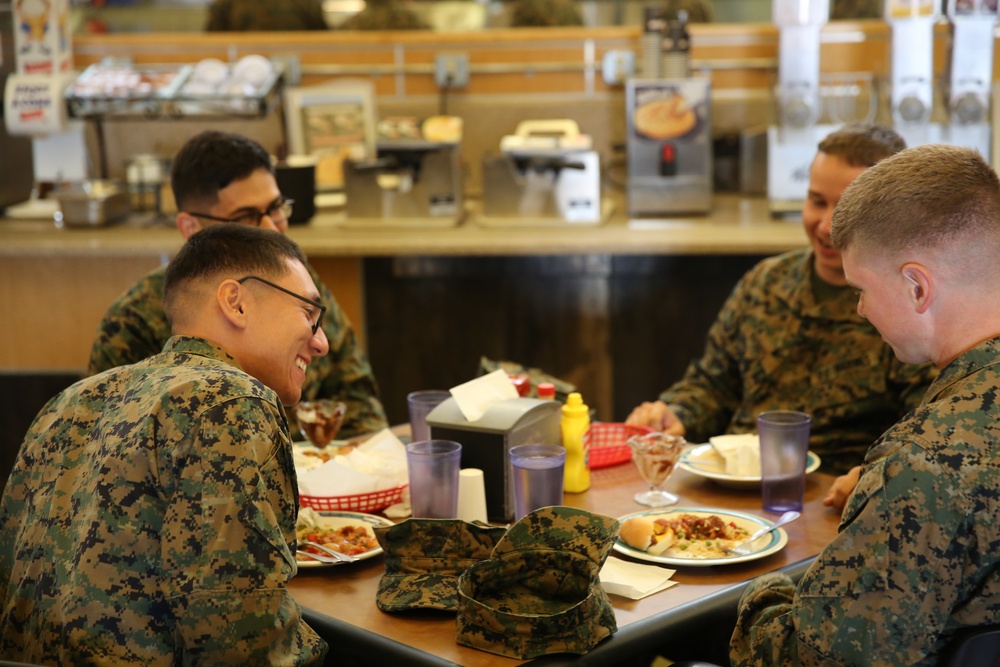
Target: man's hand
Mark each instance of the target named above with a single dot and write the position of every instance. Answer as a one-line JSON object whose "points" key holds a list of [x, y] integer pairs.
{"points": [[657, 416], [841, 489]]}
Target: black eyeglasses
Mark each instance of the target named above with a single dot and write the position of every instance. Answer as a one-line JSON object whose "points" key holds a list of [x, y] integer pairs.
{"points": [[315, 304], [279, 210]]}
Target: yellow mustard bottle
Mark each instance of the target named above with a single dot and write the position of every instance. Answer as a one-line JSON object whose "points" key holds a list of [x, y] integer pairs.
{"points": [[574, 424]]}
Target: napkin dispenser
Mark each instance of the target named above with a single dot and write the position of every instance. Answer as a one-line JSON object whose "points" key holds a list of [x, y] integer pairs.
{"points": [[486, 442]]}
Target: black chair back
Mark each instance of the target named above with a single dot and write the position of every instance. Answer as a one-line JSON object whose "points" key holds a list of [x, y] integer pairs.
{"points": [[974, 647]]}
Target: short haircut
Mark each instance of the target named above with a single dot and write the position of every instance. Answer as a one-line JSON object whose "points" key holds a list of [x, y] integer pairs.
{"points": [[924, 197], [227, 251], [862, 144], [209, 162]]}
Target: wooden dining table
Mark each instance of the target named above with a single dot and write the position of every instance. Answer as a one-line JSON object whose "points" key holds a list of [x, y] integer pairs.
{"points": [[342, 598]]}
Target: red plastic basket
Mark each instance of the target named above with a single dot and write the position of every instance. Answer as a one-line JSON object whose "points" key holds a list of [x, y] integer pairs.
{"points": [[376, 501], [607, 442]]}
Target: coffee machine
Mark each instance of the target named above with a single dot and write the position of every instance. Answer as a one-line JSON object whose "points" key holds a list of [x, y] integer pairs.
{"points": [[791, 144]]}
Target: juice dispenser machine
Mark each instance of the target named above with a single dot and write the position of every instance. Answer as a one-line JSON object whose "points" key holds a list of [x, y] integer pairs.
{"points": [[791, 145], [970, 74], [911, 94]]}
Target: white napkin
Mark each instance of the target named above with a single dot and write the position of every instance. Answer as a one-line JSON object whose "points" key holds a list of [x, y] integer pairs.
{"points": [[476, 396], [633, 580], [376, 464], [741, 453]]}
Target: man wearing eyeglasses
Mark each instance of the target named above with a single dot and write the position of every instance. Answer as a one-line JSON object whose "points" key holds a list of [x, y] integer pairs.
{"points": [[226, 178], [150, 515]]}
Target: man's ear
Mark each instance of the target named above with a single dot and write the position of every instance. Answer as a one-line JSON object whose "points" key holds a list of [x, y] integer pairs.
{"points": [[921, 286], [231, 298], [187, 224]]}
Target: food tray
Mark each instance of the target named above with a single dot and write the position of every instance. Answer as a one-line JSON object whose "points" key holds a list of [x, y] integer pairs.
{"points": [[125, 91], [376, 501], [606, 441], [114, 88]]}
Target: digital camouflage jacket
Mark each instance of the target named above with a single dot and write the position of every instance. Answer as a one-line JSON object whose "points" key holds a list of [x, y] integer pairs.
{"points": [[150, 520], [917, 555]]}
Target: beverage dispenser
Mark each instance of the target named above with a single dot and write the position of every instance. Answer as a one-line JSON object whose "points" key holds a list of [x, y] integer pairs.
{"points": [[970, 73], [791, 144], [912, 69]]}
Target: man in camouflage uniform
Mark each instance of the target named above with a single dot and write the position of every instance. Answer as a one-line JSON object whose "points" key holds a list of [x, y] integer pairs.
{"points": [[918, 551], [789, 337], [219, 176], [244, 15], [856, 9], [150, 515]]}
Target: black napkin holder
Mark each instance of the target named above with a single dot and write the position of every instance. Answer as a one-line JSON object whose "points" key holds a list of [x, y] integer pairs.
{"points": [[486, 442]]}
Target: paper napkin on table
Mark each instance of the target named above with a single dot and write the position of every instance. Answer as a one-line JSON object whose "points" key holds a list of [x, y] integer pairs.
{"points": [[376, 464], [475, 397], [741, 452], [633, 580]]}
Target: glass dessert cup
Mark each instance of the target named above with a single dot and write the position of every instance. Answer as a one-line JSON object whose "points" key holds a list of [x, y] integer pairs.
{"points": [[655, 455], [320, 420]]}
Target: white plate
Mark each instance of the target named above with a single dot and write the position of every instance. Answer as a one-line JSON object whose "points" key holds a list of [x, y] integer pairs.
{"points": [[771, 543], [341, 519], [703, 460]]}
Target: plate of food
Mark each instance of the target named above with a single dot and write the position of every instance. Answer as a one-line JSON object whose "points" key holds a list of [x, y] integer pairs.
{"points": [[349, 533], [705, 461], [694, 537]]}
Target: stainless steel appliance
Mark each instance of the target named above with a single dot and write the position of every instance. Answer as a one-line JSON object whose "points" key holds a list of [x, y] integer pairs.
{"points": [[548, 174], [791, 144], [970, 74], [17, 173], [669, 146], [411, 182]]}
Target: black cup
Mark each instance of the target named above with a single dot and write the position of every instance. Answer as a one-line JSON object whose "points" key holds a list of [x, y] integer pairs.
{"points": [[297, 180]]}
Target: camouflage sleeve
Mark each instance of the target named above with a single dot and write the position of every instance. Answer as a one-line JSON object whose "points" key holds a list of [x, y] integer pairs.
{"points": [[764, 613], [883, 590], [310, 15], [345, 374], [218, 15], [225, 542], [133, 328], [711, 389]]}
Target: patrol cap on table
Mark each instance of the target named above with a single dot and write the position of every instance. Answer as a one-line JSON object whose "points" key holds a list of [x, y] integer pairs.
{"points": [[423, 558], [540, 591]]}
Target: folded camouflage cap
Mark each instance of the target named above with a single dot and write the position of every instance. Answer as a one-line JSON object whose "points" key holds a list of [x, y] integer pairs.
{"points": [[540, 591], [423, 558]]}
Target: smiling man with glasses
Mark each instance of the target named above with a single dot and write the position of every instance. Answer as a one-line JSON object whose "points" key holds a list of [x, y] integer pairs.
{"points": [[224, 178], [176, 503]]}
